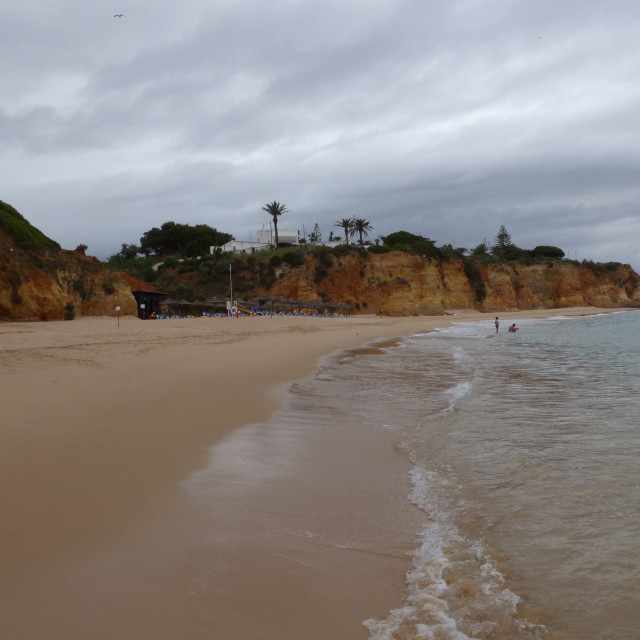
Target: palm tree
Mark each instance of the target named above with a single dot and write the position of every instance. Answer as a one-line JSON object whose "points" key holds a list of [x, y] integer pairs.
{"points": [[361, 226], [275, 209], [346, 224]]}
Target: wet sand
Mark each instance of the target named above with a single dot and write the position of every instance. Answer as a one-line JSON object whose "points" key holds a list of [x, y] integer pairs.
{"points": [[102, 425]]}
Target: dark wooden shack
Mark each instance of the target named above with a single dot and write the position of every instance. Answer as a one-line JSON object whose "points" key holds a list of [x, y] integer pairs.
{"points": [[148, 302]]}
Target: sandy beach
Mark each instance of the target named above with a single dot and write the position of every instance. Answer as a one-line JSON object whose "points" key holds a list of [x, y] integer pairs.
{"points": [[102, 425]]}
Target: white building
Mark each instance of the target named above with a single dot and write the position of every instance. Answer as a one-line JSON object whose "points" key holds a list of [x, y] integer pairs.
{"points": [[268, 236], [241, 246], [264, 239], [332, 244]]}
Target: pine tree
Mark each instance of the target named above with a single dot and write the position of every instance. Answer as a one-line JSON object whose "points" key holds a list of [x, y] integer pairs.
{"points": [[502, 242], [315, 237]]}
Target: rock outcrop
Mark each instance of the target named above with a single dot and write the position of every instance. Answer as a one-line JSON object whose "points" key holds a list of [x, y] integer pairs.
{"points": [[405, 284], [51, 284], [41, 281]]}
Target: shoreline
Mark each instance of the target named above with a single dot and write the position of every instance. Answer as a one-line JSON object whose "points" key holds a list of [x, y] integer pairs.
{"points": [[104, 423]]}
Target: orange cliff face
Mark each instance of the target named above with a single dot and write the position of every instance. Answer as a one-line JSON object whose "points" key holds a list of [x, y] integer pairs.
{"points": [[558, 284], [405, 284], [39, 285]]}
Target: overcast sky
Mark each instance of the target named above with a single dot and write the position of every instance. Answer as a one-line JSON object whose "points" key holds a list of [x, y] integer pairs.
{"points": [[446, 118]]}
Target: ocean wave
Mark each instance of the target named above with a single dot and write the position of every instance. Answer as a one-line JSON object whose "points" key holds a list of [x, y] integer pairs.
{"points": [[460, 356], [457, 392], [454, 590]]}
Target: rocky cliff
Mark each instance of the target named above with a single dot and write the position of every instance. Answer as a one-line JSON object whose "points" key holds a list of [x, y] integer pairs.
{"points": [[41, 281], [405, 284], [51, 284]]}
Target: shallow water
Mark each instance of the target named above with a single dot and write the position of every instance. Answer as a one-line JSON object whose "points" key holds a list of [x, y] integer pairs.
{"points": [[525, 449], [521, 503]]}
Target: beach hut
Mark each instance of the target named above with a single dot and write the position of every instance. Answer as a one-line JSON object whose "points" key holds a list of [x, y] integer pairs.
{"points": [[148, 302]]}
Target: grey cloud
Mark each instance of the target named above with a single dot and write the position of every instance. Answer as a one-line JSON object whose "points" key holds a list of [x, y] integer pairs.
{"points": [[446, 119]]}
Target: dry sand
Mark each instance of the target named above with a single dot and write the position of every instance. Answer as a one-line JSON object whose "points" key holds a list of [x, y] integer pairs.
{"points": [[101, 426]]}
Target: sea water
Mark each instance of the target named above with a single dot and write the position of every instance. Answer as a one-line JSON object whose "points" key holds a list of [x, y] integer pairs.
{"points": [[523, 451], [526, 458]]}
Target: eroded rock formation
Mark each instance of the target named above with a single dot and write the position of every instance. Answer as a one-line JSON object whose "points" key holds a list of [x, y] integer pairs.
{"points": [[405, 284], [52, 284]]}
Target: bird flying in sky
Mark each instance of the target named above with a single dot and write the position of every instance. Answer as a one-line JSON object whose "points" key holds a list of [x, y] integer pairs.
{"points": [[119, 15]]}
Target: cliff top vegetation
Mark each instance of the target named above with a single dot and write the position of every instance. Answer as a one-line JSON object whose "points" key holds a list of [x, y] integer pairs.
{"points": [[176, 259], [24, 234]]}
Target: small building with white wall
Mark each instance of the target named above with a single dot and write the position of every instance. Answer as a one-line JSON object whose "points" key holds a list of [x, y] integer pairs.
{"points": [[264, 239], [268, 236], [241, 246]]}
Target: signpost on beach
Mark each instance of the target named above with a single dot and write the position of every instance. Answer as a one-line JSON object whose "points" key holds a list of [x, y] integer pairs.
{"points": [[118, 313]]}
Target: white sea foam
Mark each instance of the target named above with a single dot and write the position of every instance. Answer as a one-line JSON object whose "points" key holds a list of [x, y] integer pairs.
{"points": [[457, 392], [445, 564], [466, 329], [425, 611], [460, 356]]}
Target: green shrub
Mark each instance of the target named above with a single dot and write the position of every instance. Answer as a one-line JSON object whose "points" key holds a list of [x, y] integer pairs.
{"points": [[341, 250], [600, 268], [513, 253], [324, 256], [448, 250], [267, 280], [69, 312], [377, 248], [427, 249], [138, 267], [187, 267], [293, 259], [404, 239], [476, 281], [24, 234], [547, 252], [15, 279], [321, 272], [80, 286]]}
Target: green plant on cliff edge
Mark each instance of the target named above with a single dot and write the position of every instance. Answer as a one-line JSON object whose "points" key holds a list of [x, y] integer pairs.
{"points": [[476, 281], [24, 234], [600, 268], [80, 286], [15, 280]]}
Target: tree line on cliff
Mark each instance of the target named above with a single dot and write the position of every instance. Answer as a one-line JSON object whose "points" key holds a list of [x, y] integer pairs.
{"points": [[175, 258]]}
